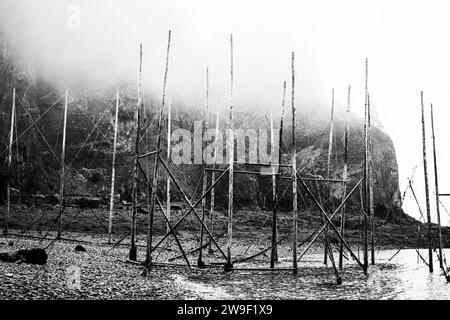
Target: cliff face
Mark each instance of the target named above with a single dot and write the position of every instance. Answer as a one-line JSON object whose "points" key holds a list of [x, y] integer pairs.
{"points": [[90, 137], [29, 169], [312, 160]]}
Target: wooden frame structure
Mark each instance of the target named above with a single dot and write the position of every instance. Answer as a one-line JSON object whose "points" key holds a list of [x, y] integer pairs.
{"points": [[226, 253], [294, 176]]}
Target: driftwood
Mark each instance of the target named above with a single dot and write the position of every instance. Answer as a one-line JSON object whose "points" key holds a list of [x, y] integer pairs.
{"points": [[32, 256]]}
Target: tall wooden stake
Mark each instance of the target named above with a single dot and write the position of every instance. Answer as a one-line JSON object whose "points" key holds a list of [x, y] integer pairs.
{"points": [[148, 259], [8, 188], [113, 171], [294, 174], [169, 128], [61, 183], [137, 116], [344, 177], [436, 190], [427, 196], [213, 178], [274, 252], [148, 149], [330, 149], [366, 177], [200, 262], [19, 162], [370, 163], [229, 265]]}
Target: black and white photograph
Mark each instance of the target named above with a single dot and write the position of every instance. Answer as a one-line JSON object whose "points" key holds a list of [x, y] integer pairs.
{"points": [[224, 155]]}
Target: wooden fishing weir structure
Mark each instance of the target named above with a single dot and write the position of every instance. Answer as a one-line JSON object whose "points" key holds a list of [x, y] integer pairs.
{"points": [[295, 177], [364, 185], [440, 253]]}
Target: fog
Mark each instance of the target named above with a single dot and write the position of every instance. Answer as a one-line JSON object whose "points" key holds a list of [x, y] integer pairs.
{"points": [[104, 46], [405, 41]]}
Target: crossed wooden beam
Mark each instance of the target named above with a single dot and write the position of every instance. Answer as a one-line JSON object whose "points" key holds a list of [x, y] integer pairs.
{"points": [[165, 217], [192, 206], [191, 209], [330, 223]]}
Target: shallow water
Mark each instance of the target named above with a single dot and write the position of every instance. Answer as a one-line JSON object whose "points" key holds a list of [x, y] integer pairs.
{"points": [[405, 276]]}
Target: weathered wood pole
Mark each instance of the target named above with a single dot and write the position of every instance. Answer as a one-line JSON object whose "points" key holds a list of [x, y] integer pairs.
{"points": [[229, 265], [61, 179], [436, 190], [427, 195], [169, 128], [113, 171], [330, 150], [200, 262], [294, 173], [213, 178], [272, 156], [274, 251], [361, 224], [148, 149], [370, 170], [366, 177], [8, 188], [344, 177], [148, 259], [137, 117]]}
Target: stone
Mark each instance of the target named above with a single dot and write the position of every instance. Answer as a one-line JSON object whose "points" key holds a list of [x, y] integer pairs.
{"points": [[80, 248]]}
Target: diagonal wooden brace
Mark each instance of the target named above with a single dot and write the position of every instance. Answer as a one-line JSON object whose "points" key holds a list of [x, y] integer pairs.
{"points": [[328, 221], [166, 218], [191, 209]]}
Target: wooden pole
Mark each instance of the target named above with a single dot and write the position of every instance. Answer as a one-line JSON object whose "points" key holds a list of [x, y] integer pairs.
{"points": [[436, 189], [154, 188], [191, 209], [113, 171], [213, 176], [137, 117], [294, 173], [366, 177], [61, 182], [330, 150], [19, 163], [344, 176], [229, 265], [169, 120], [148, 150], [328, 220], [274, 251], [361, 221], [200, 262], [8, 188], [272, 144], [171, 231], [427, 196], [148, 258], [370, 170]]}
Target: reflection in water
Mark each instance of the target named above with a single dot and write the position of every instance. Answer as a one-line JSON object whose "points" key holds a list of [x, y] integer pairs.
{"points": [[404, 277]]}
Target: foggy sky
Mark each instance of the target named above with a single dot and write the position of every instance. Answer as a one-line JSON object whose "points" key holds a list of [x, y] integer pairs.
{"points": [[406, 43]]}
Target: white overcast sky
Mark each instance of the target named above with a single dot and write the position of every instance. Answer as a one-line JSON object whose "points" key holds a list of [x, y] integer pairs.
{"points": [[407, 43]]}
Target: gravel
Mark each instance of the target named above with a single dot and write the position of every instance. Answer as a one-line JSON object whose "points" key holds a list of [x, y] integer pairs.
{"points": [[104, 274]]}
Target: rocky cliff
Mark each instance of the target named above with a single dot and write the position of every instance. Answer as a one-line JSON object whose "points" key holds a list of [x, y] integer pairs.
{"points": [[90, 137]]}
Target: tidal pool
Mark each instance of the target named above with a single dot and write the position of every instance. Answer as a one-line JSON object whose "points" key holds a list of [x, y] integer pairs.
{"points": [[404, 276]]}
